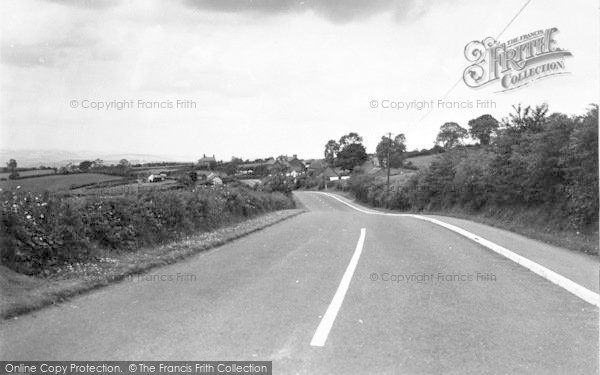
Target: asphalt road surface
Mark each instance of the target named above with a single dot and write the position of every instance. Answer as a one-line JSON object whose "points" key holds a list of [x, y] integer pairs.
{"points": [[417, 299]]}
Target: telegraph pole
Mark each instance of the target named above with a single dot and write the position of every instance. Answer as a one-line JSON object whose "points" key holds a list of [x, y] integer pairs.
{"points": [[387, 192]]}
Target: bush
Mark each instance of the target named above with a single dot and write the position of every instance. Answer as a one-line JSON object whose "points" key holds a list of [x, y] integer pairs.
{"points": [[42, 231], [550, 167], [279, 183], [409, 165], [547, 165]]}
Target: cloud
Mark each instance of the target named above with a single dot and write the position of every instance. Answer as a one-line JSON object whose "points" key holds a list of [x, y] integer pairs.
{"points": [[334, 10], [28, 55], [55, 37], [87, 4], [56, 52]]}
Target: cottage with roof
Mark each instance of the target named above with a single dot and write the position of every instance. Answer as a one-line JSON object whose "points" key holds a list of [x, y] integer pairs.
{"points": [[207, 162]]}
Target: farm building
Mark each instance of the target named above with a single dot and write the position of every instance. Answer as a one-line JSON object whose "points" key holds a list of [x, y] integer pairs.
{"points": [[329, 174], [207, 162], [157, 177]]}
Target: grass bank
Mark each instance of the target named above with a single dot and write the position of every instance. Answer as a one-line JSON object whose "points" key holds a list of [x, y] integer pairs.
{"points": [[22, 293], [537, 223], [530, 223]]}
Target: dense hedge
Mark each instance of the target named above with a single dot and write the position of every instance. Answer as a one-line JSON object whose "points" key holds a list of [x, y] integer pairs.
{"points": [[42, 231], [548, 164]]}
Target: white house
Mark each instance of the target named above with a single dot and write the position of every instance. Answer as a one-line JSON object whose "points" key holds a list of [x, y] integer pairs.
{"points": [[156, 178]]}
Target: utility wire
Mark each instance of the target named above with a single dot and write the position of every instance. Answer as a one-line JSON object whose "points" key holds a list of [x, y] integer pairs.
{"points": [[497, 37], [513, 19]]}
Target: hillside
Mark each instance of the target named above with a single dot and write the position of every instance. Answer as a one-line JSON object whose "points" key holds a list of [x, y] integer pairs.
{"points": [[30, 158], [423, 161]]}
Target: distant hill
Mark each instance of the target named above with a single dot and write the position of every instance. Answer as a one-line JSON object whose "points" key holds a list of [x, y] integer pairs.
{"points": [[56, 158]]}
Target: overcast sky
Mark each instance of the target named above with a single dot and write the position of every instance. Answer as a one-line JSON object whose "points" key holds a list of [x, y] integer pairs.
{"points": [[268, 77]]}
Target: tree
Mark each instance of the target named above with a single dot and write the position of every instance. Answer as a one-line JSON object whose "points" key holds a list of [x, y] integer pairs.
{"points": [[527, 119], [98, 163], [349, 139], [451, 134], [85, 165], [12, 168], [331, 150], [392, 147], [351, 155], [230, 168], [347, 153], [482, 128], [124, 163], [261, 170], [580, 163], [279, 182]]}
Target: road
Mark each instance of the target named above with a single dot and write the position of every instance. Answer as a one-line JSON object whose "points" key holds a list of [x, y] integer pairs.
{"points": [[263, 297]]}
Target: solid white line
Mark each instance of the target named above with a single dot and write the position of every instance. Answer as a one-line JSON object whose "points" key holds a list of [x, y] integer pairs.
{"points": [[324, 327], [565, 283]]}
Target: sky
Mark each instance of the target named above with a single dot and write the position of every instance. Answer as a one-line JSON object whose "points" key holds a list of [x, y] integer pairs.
{"points": [[263, 78]]}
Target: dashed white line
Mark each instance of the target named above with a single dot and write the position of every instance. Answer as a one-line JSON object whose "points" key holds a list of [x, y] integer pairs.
{"points": [[324, 327]]}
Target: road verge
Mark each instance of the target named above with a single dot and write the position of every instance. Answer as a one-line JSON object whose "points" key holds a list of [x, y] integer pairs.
{"points": [[22, 294]]}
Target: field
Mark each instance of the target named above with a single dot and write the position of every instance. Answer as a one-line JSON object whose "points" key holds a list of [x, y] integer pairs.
{"points": [[401, 178], [422, 162], [157, 170], [125, 188], [251, 182], [398, 176], [34, 172], [55, 183]]}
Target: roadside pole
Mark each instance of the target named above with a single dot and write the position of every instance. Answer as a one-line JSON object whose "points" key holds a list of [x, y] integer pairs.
{"points": [[387, 191]]}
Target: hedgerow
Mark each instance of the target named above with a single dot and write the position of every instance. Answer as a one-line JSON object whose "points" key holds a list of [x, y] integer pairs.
{"points": [[41, 231], [544, 164]]}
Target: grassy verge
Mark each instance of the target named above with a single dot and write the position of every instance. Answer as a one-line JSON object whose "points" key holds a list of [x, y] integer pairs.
{"points": [[21, 293], [528, 223], [522, 222]]}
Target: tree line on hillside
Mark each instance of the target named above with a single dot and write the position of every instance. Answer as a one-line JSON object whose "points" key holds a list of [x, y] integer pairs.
{"points": [[14, 171], [349, 152], [531, 159]]}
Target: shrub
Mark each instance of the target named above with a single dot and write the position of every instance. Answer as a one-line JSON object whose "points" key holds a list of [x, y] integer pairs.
{"points": [[547, 165], [42, 231], [279, 183]]}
